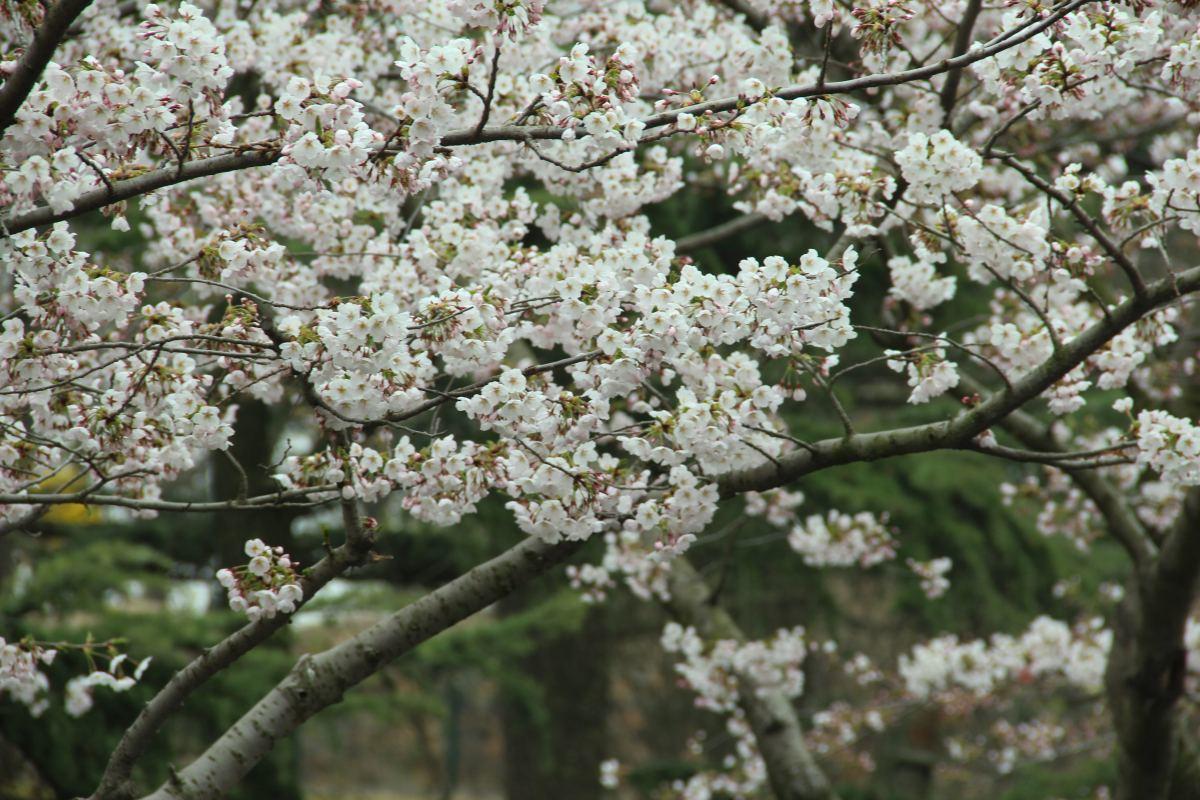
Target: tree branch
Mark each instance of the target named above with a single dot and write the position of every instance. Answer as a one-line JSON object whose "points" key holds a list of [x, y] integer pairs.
{"points": [[318, 681], [259, 502], [962, 40], [1084, 219], [114, 784], [959, 431], [733, 227], [142, 184], [46, 38]]}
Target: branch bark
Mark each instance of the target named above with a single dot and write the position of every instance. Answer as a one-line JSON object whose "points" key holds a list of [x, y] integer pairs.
{"points": [[1148, 663], [318, 681], [962, 40], [114, 783], [46, 38]]}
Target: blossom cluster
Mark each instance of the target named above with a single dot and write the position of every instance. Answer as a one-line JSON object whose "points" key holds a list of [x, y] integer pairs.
{"points": [[938, 165], [1082, 73], [1049, 648], [268, 585], [583, 92], [1170, 446], [23, 680], [842, 540], [512, 17], [1177, 189], [713, 671], [996, 244], [929, 372], [21, 676], [916, 281], [326, 130], [934, 582]]}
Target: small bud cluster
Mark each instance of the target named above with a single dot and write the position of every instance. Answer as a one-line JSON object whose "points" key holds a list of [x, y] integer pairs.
{"points": [[930, 373]]}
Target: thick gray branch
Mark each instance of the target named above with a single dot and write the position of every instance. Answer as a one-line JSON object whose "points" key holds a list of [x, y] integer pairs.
{"points": [[114, 784], [318, 681]]}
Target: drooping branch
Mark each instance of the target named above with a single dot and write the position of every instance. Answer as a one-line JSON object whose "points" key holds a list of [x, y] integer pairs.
{"points": [[318, 681]]}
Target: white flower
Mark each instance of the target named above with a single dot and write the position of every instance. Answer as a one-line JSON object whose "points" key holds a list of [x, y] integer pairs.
{"points": [[256, 547]]}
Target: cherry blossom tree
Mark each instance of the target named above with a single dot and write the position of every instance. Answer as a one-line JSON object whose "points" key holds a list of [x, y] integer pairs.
{"points": [[393, 213]]}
